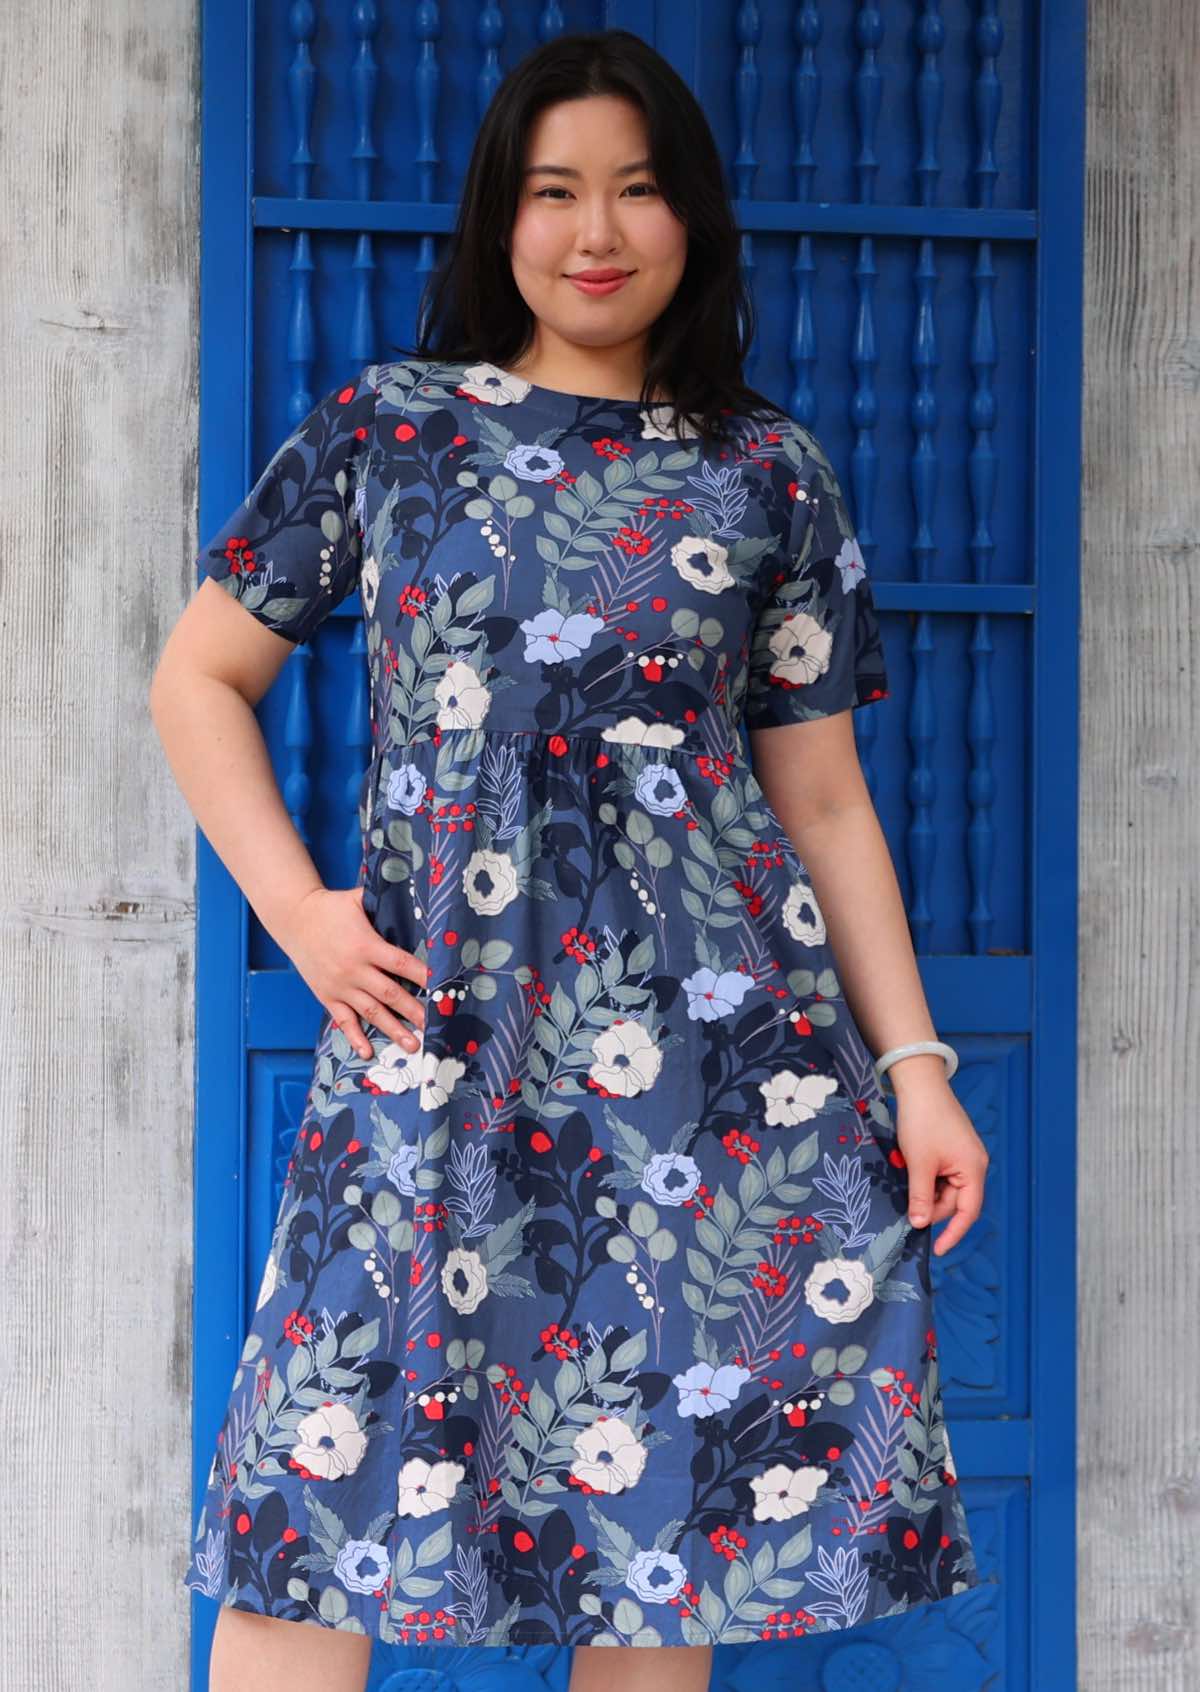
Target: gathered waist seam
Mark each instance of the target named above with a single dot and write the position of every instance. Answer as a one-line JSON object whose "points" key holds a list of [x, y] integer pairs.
{"points": [[690, 747]]}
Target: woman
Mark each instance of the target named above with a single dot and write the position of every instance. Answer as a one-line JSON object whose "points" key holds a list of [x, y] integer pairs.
{"points": [[598, 1304]]}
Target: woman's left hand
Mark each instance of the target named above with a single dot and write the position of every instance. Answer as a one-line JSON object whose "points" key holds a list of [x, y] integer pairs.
{"points": [[946, 1160]]}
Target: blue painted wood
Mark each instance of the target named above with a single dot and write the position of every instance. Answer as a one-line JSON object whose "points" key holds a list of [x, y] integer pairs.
{"points": [[908, 183], [220, 1114], [273, 211], [220, 1105], [1053, 768]]}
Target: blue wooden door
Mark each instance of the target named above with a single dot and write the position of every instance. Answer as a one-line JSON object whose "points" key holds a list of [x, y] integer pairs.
{"points": [[909, 183]]}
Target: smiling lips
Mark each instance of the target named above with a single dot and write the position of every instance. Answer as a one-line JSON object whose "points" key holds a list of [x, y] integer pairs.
{"points": [[599, 281]]}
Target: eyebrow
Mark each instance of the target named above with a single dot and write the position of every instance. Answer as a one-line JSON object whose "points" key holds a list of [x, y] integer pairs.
{"points": [[565, 170]]}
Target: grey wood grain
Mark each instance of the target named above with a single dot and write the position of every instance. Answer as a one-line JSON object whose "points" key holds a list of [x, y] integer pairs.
{"points": [[98, 350], [1138, 1054]]}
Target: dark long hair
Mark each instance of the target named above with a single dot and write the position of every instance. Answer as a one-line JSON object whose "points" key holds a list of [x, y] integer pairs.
{"points": [[471, 308]]}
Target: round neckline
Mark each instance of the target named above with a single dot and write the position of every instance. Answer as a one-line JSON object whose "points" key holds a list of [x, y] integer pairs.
{"points": [[552, 395]]}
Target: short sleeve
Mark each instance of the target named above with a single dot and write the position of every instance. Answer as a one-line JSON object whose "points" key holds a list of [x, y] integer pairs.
{"points": [[292, 550], [815, 647]]}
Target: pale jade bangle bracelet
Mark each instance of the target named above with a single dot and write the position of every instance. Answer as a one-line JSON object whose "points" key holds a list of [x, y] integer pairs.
{"points": [[888, 1058]]}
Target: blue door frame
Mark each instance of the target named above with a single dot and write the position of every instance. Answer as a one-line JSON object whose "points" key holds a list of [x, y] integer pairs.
{"points": [[862, 207]]}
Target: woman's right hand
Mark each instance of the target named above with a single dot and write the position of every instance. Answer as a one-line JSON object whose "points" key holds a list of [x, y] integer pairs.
{"points": [[351, 968]]}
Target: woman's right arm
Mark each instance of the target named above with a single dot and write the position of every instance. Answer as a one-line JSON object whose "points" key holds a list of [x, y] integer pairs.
{"points": [[216, 665]]}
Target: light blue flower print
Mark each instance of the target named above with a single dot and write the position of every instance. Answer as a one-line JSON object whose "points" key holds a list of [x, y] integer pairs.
{"points": [[533, 463], [704, 1390], [405, 789], [660, 790], [671, 1177], [712, 996], [553, 638], [362, 1565], [400, 1170], [655, 1576], [851, 564]]}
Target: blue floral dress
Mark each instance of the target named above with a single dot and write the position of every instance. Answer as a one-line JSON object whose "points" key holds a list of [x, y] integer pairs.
{"points": [[598, 1318]]}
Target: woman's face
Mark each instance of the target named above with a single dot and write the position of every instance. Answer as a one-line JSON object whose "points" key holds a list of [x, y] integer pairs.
{"points": [[588, 202]]}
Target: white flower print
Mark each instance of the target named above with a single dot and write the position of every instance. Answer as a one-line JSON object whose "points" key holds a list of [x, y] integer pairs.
{"points": [[464, 1280], [492, 385], [703, 1389], [781, 1493], [553, 637], [949, 1463], [802, 915], [671, 1177], [655, 1576], [712, 996], [396, 1069], [839, 1289], [790, 1098], [609, 1456], [660, 790], [329, 1442], [801, 647], [270, 1280], [490, 882], [701, 563], [369, 579], [656, 420], [423, 1488], [625, 1060], [462, 698], [632, 731], [533, 463], [439, 1077]]}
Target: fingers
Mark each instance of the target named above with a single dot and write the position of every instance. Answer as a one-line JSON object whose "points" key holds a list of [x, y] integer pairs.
{"points": [[920, 1192], [376, 999], [345, 1019], [380, 1013], [960, 1199], [392, 1001], [400, 962], [964, 1208], [371, 1012], [944, 1204]]}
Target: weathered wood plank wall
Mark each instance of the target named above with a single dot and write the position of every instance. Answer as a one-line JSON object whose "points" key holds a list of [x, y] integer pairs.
{"points": [[98, 323], [99, 252], [1139, 956]]}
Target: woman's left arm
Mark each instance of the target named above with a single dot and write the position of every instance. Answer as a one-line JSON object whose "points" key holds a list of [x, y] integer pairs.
{"points": [[812, 780]]}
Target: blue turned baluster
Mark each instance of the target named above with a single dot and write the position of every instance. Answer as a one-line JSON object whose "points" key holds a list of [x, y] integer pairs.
{"points": [[301, 81], [922, 839], [747, 89], [364, 83], [354, 724], [864, 410], [427, 82], [489, 32], [295, 779], [981, 713], [806, 97]]}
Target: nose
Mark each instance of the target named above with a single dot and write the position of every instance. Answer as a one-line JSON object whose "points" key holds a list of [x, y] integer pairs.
{"points": [[597, 227]]}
